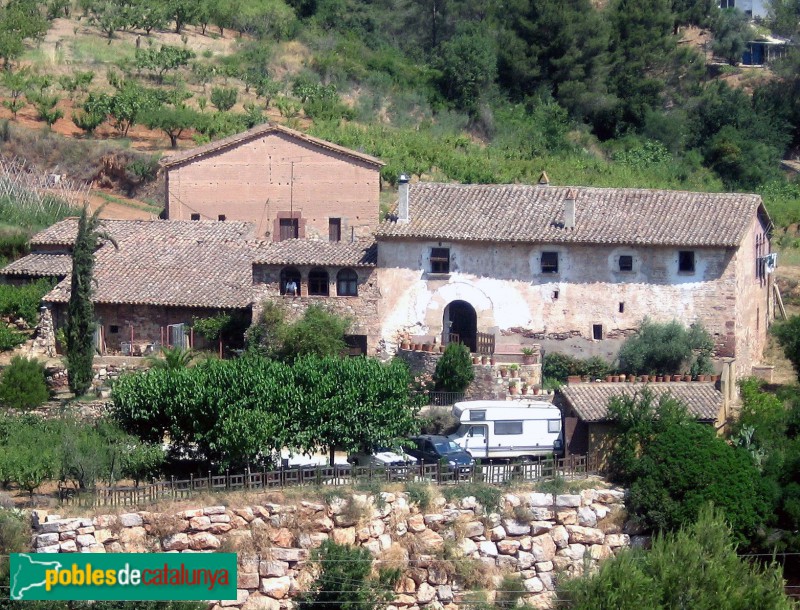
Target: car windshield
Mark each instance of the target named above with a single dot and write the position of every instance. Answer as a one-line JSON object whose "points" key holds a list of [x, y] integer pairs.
{"points": [[447, 447]]}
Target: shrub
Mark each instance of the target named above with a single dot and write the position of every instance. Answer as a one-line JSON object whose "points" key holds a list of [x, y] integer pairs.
{"points": [[666, 348], [697, 567], [344, 580], [23, 385], [488, 496], [419, 494], [560, 366], [24, 301], [687, 466], [9, 337], [788, 335], [224, 98], [454, 369]]}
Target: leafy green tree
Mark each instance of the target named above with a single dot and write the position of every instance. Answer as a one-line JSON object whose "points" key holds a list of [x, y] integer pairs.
{"points": [[697, 567], [788, 335], [454, 369], [23, 385], [666, 348], [20, 20], [784, 17], [687, 466], [182, 12], [80, 309], [468, 65], [265, 335], [46, 108], [28, 455], [109, 17], [319, 332], [345, 581], [10, 338], [129, 103], [165, 59], [16, 83], [148, 15], [693, 12], [731, 33], [173, 121], [141, 461], [224, 98]]}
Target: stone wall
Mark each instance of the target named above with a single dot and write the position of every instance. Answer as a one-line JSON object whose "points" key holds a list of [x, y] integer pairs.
{"points": [[539, 536]]}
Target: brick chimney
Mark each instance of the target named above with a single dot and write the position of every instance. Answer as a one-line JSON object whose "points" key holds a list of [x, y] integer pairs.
{"points": [[402, 201], [569, 209]]}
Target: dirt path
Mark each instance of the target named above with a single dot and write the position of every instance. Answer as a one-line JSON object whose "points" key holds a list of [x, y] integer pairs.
{"points": [[124, 209]]}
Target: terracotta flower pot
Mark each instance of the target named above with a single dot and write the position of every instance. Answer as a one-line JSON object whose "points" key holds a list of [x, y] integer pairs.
{"points": [[701, 378], [645, 378], [405, 345], [615, 378], [513, 390], [503, 373], [528, 359], [677, 377], [687, 377], [476, 360], [609, 378], [484, 360]]}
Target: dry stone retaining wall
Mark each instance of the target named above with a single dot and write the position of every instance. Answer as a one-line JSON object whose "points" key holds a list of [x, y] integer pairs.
{"points": [[539, 536]]}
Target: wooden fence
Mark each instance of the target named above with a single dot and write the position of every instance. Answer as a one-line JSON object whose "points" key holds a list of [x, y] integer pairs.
{"points": [[485, 343], [542, 469]]}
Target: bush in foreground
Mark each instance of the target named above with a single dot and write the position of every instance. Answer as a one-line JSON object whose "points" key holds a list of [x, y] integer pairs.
{"points": [[23, 384]]}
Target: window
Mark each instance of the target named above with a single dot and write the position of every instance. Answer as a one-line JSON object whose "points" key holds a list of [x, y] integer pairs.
{"points": [[622, 307], [290, 282], [555, 295], [290, 228], [318, 282], [113, 329], [356, 345], [477, 431], [626, 262], [440, 260], [554, 425], [727, 3], [507, 428], [221, 217], [597, 332], [477, 415], [549, 262], [195, 216], [686, 261], [347, 283], [334, 229]]}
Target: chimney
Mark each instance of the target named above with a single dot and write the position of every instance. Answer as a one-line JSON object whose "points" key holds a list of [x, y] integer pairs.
{"points": [[402, 201], [569, 209], [544, 180]]}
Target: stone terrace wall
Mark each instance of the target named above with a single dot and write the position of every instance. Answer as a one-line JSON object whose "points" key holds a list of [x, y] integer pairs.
{"points": [[537, 535]]}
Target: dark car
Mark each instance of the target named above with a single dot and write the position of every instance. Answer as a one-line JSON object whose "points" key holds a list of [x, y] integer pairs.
{"points": [[433, 449]]}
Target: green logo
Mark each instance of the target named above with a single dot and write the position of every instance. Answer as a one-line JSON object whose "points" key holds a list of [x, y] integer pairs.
{"points": [[123, 576]]}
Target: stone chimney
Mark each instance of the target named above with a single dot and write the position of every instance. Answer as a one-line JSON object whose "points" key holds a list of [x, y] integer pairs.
{"points": [[569, 209], [402, 200]]}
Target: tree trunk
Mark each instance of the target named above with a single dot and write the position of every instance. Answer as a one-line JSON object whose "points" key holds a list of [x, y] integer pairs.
{"points": [[330, 458]]}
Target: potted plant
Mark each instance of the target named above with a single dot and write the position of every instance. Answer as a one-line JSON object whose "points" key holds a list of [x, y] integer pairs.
{"points": [[492, 361], [525, 389], [514, 368], [528, 355], [512, 388], [476, 360], [537, 389], [503, 372], [484, 359], [405, 343]]}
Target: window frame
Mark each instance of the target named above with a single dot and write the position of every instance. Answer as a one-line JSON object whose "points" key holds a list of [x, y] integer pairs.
{"points": [[315, 282], [549, 266], [293, 223], [683, 257], [334, 226], [550, 426], [439, 263], [350, 283], [516, 423], [194, 216], [629, 260]]}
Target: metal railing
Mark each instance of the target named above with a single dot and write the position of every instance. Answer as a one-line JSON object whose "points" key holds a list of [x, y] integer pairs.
{"points": [[538, 469], [444, 399]]}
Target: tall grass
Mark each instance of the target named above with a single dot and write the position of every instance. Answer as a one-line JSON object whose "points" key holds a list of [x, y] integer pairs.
{"points": [[32, 213]]}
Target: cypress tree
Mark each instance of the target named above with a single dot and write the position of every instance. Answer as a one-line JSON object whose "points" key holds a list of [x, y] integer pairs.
{"points": [[80, 310]]}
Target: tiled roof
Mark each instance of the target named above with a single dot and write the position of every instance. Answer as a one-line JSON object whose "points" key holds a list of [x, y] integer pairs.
{"points": [[175, 263], [40, 265], [257, 131], [63, 232], [524, 213], [317, 252], [590, 400]]}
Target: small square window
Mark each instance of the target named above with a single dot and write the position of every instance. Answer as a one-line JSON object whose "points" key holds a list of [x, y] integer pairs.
{"points": [[113, 329], [477, 415], [555, 295], [553, 425], [686, 261], [549, 262], [626, 262], [597, 332], [221, 217], [195, 216], [440, 260]]}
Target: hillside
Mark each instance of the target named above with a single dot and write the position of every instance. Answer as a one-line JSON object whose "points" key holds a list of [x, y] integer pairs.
{"points": [[100, 90]]}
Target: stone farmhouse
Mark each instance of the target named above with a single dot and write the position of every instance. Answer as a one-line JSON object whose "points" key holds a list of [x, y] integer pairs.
{"points": [[287, 217], [574, 269], [288, 184]]}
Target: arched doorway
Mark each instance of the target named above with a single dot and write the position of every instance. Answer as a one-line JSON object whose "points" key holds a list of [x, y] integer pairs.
{"points": [[460, 319]]}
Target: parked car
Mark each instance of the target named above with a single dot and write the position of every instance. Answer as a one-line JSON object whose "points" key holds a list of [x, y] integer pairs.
{"points": [[499, 429], [433, 449], [381, 457]]}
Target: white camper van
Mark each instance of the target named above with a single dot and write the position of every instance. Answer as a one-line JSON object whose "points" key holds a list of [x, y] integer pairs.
{"points": [[503, 429]]}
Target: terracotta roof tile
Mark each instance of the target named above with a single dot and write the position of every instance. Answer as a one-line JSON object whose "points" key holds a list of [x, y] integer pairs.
{"points": [[524, 213], [176, 263], [590, 400], [40, 265], [257, 131], [317, 252]]}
